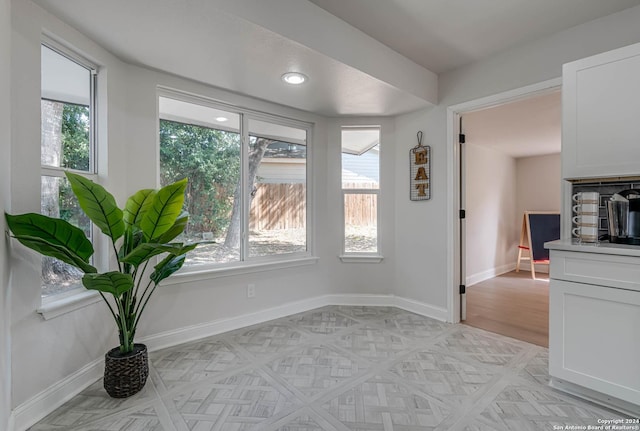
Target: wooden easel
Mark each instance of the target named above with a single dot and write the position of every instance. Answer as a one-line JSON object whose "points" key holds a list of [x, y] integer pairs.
{"points": [[525, 244]]}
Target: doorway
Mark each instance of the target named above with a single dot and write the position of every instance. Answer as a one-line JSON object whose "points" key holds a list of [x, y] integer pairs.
{"points": [[509, 164]]}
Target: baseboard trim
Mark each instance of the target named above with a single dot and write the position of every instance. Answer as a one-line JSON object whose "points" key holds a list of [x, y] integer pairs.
{"points": [[31, 411], [490, 273]]}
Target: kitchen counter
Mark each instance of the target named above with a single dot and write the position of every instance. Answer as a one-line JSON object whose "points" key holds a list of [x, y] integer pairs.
{"points": [[594, 310], [599, 248]]}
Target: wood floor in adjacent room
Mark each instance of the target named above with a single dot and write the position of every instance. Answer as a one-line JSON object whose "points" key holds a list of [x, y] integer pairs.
{"points": [[512, 304]]}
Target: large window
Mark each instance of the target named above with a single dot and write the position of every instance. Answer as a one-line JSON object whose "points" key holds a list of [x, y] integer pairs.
{"points": [[247, 191], [360, 189], [67, 143]]}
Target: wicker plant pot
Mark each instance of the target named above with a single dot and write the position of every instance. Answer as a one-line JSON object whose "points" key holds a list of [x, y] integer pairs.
{"points": [[125, 375]]}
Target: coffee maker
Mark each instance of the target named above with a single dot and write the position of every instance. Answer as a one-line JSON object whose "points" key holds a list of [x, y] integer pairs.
{"points": [[623, 216]]}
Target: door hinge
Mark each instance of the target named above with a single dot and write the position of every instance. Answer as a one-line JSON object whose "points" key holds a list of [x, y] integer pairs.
{"points": [[463, 289], [463, 214], [461, 138]]}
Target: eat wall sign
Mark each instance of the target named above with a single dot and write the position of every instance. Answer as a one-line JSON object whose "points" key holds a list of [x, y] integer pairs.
{"points": [[420, 171]]}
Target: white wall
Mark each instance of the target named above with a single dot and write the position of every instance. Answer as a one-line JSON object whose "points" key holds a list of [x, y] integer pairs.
{"points": [[44, 352], [5, 180], [538, 183], [424, 250], [491, 217]]}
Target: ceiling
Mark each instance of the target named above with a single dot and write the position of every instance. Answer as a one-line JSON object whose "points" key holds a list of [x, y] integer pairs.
{"points": [[363, 57], [525, 128], [442, 35]]}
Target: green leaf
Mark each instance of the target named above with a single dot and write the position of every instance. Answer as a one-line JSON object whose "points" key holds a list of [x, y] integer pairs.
{"points": [[168, 266], [99, 205], [175, 230], [137, 205], [58, 251], [164, 210], [115, 283], [147, 250], [52, 231]]}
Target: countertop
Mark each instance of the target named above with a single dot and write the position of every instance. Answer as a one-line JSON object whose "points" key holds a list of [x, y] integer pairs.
{"points": [[599, 248]]}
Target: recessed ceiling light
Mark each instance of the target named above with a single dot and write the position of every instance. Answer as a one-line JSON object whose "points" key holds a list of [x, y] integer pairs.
{"points": [[294, 78], [222, 119]]}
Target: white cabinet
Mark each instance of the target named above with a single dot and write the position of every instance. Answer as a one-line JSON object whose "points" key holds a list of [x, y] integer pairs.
{"points": [[594, 326], [601, 115]]}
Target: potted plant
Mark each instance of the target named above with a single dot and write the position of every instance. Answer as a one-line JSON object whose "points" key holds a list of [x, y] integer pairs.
{"points": [[147, 227]]}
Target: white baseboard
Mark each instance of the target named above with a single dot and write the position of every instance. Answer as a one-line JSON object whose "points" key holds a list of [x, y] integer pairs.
{"points": [[31, 411], [490, 273]]}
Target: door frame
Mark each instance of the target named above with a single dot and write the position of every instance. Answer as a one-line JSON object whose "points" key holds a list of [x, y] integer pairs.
{"points": [[453, 178]]}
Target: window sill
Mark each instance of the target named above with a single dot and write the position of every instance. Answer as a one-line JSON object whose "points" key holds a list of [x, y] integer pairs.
{"points": [[228, 271], [58, 307], [362, 258]]}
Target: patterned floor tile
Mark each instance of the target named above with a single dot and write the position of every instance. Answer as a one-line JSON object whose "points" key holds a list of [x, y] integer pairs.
{"points": [[367, 312], [373, 343], [266, 339], [324, 321], [413, 325], [91, 404], [442, 374], [315, 369], [537, 369], [364, 368], [480, 347], [144, 420], [234, 403], [304, 423], [523, 407], [194, 361], [383, 404]]}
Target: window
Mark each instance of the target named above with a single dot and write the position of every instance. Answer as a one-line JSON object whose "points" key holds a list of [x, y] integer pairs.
{"points": [[67, 143], [249, 199], [361, 189]]}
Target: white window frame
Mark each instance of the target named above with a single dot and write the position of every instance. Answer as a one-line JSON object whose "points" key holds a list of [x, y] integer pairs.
{"points": [[246, 264], [362, 257], [60, 303]]}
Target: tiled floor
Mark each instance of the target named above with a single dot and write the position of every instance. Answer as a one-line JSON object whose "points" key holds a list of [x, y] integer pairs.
{"points": [[339, 368]]}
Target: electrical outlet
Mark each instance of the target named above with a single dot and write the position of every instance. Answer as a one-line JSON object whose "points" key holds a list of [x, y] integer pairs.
{"points": [[251, 290]]}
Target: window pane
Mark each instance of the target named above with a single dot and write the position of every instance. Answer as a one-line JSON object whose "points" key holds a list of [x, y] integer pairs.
{"points": [[277, 179], [360, 158], [360, 223], [65, 120], [205, 149], [59, 201]]}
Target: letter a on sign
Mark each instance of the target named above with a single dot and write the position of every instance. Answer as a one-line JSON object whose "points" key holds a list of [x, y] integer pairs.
{"points": [[421, 175], [420, 171]]}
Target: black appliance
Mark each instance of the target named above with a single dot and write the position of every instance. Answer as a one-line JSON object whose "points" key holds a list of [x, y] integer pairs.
{"points": [[623, 217]]}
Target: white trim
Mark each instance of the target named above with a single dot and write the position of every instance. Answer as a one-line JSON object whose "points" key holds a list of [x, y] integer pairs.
{"points": [[421, 308], [31, 411], [209, 273], [489, 273], [58, 307], [453, 162], [362, 258], [594, 396]]}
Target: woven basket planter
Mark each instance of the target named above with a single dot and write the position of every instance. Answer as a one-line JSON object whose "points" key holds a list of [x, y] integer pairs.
{"points": [[125, 375]]}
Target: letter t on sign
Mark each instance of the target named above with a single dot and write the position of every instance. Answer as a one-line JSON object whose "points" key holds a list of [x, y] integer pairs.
{"points": [[420, 171]]}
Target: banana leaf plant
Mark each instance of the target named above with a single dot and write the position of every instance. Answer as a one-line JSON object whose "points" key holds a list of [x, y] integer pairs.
{"points": [[147, 226]]}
